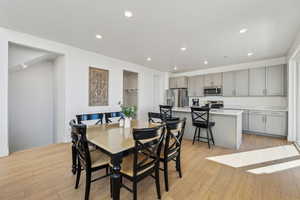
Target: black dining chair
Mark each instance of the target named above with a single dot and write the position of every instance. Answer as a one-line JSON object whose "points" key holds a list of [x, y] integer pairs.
{"points": [[97, 118], [172, 147], [109, 117], [200, 120], [144, 161], [165, 112], [90, 161], [154, 117]]}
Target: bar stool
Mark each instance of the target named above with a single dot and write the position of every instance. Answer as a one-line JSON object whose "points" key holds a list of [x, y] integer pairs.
{"points": [[200, 119]]}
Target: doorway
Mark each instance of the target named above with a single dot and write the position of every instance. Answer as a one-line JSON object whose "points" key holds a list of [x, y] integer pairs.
{"points": [[130, 89], [35, 86]]}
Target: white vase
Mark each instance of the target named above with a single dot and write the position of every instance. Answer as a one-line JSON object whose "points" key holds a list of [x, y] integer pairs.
{"points": [[127, 122]]}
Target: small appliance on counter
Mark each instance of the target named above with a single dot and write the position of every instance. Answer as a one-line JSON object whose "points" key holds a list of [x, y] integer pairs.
{"points": [[195, 102], [215, 104]]}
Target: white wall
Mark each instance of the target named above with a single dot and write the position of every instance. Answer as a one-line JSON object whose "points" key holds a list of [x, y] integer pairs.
{"points": [[30, 107], [75, 80]]}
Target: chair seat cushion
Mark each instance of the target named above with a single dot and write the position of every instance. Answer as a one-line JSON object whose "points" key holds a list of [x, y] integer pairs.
{"points": [[99, 159], [127, 164], [203, 124]]}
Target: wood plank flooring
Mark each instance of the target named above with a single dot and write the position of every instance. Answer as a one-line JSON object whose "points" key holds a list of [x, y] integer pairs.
{"points": [[44, 173]]}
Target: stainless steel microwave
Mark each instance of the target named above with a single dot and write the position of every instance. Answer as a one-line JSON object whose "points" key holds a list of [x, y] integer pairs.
{"points": [[213, 91]]}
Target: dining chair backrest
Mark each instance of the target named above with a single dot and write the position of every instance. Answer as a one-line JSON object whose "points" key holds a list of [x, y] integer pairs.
{"points": [[90, 119], [165, 112], [148, 143], [113, 117], [175, 132], [79, 131], [200, 115], [154, 117]]}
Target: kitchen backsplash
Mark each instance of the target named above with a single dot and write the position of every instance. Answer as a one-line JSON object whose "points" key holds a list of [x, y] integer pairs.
{"points": [[245, 101]]}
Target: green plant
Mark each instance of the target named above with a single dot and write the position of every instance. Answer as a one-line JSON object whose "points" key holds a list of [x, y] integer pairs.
{"points": [[129, 111]]}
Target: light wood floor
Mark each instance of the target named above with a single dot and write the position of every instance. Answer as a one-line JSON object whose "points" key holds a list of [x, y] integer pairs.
{"points": [[44, 173]]}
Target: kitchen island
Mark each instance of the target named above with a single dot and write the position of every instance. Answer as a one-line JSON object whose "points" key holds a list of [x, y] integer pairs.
{"points": [[227, 131]]}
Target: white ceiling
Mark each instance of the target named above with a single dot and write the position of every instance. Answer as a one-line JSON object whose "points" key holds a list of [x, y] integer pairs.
{"points": [[159, 28]]}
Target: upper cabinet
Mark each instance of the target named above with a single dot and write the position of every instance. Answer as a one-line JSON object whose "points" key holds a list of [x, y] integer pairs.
{"points": [[196, 86], [236, 83], [229, 84], [212, 80], [257, 86], [275, 80], [178, 82]]}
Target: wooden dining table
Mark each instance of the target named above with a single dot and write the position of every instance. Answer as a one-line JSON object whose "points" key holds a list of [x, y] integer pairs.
{"points": [[116, 142]]}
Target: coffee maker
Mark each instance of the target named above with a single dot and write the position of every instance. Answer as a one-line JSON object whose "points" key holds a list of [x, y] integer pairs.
{"points": [[195, 102]]}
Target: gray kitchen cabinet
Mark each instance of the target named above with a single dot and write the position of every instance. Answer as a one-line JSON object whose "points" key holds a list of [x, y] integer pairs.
{"points": [[178, 82], [229, 84], [257, 80], [172, 83], [196, 86], [257, 121], [276, 123], [236, 83], [245, 120], [213, 80], [182, 82], [242, 83], [275, 80]]}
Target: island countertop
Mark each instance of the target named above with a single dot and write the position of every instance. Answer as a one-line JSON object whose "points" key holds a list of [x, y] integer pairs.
{"points": [[212, 111]]}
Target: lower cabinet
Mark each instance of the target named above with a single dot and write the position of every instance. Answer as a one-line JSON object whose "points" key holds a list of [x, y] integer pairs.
{"points": [[245, 120], [268, 122]]}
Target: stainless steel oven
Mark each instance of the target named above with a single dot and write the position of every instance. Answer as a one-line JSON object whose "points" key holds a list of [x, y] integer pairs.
{"points": [[213, 91]]}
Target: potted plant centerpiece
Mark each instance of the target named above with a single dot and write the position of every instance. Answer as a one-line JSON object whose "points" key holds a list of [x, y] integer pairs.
{"points": [[129, 112]]}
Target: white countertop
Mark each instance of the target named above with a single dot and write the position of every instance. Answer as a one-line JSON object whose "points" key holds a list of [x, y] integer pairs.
{"points": [[262, 108], [212, 111]]}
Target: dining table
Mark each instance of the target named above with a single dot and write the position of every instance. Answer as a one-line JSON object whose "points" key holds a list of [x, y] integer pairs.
{"points": [[116, 142]]}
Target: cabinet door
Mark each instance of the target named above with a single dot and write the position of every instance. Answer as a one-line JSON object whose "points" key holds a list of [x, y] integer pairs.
{"points": [[275, 80], [200, 86], [217, 79], [181, 82], [172, 83], [242, 83], [257, 122], [192, 84], [245, 120], [257, 81], [276, 123], [229, 84], [208, 80]]}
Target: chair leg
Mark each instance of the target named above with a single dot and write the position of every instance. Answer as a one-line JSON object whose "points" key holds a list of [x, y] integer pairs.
{"points": [[178, 163], [111, 189], [157, 182], [199, 134], [74, 159], [88, 184], [211, 134], [195, 134], [78, 175], [134, 190], [166, 175], [208, 140]]}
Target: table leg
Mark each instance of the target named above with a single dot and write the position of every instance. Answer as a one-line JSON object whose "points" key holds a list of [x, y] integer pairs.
{"points": [[116, 176]]}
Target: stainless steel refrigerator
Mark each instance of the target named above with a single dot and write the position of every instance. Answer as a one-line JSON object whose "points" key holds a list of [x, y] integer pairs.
{"points": [[177, 97]]}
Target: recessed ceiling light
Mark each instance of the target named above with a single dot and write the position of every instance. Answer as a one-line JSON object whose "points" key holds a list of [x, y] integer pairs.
{"points": [[183, 48], [128, 14], [149, 59], [99, 36], [24, 66], [205, 62], [250, 54], [175, 68], [244, 30]]}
